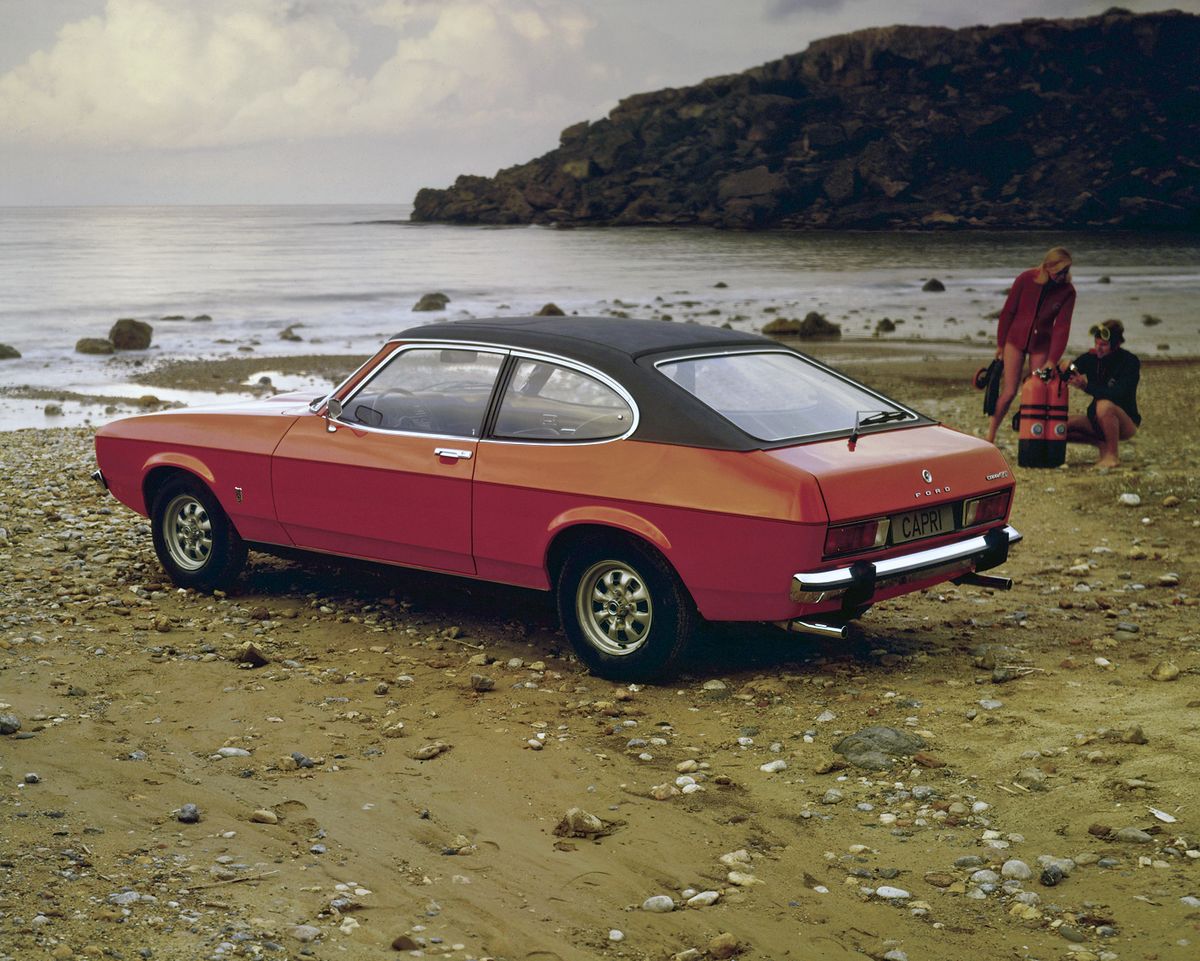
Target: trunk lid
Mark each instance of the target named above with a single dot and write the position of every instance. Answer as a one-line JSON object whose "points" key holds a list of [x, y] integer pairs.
{"points": [[899, 470]]}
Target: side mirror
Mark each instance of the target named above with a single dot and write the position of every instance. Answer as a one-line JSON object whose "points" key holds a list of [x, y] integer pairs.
{"points": [[333, 408]]}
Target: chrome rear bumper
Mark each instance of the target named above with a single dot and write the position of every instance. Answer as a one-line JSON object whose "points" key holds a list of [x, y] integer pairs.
{"points": [[857, 583]]}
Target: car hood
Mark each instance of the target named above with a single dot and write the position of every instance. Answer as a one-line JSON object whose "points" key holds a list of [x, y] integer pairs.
{"points": [[885, 471], [295, 402]]}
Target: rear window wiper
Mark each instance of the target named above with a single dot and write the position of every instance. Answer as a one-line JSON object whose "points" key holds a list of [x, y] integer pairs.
{"points": [[874, 417]]}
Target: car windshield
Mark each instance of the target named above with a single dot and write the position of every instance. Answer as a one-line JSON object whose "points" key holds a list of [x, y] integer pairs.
{"points": [[775, 396]]}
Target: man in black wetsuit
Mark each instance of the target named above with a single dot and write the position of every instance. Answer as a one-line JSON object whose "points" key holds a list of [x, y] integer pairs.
{"points": [[1110, 374]]}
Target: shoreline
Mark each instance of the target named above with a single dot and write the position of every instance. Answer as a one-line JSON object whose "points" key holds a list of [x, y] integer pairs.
{"points": [[898, 367]]}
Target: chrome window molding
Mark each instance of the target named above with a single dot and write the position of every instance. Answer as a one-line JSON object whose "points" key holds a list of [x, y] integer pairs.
{"points": [[488, 347]]}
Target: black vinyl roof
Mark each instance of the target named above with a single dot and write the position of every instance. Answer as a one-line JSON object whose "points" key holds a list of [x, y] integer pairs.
{"points": [[588, 339], [625, 349]]}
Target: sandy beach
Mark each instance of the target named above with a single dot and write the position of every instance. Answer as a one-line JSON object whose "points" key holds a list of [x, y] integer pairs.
{"points": [[356, 797]]}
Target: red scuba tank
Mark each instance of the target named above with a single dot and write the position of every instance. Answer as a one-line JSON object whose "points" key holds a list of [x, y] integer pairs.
{"points": [[1033, 414], [1054, 452]]}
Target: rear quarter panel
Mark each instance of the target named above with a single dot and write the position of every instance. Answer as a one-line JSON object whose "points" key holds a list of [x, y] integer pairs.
{"points": [[733, 524]]}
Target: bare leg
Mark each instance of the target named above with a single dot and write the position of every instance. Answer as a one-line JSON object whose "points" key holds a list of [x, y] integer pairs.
{"points": [[1014, 363], [1115, 425], [1079, 431]]}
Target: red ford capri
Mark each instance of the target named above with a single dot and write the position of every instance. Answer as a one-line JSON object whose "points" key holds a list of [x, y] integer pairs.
{"points": [[651, 474]]}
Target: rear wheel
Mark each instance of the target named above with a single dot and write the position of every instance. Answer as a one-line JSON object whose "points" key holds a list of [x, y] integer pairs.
{"points": [[193, 537], [624, 609]]}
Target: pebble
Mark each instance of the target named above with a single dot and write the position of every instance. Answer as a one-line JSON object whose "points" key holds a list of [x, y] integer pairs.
{"points": [[9, 724], [306, 933], [703, 899], [480, 682], [773, 767], [264, 816], [1129, 500], [723, 946], [615, 935], [429, 751], [1051, 875], [578, 823], [1164, 671], [189, 814], [1133, 835], [659, 904], [32, 778], [1017, 870], [832, 796], [232, 752], [742, 879], [892, 894]]}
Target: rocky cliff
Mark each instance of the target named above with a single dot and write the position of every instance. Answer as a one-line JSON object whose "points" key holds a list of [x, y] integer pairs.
{"points": [[1047, 123]]}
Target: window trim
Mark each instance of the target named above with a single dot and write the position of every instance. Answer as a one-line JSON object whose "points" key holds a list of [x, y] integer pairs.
{"points": [[509, 357], [501, 377], [515, 356]]}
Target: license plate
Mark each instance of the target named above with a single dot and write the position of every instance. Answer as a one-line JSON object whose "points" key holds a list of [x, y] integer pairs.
{"points": [[926, 522]]}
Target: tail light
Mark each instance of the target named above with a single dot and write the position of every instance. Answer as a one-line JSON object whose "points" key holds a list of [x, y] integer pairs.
{"points": [[862, 536], [980, 510]]}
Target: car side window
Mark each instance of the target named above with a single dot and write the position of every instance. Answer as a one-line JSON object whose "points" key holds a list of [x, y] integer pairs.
{"points": [[428, 391], [548, 402]]}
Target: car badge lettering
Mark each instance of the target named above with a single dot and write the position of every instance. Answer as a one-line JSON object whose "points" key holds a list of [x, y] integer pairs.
{"points": [[997, 475], [933, 491]]}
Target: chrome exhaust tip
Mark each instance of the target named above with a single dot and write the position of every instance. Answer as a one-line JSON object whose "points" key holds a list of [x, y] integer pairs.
{"points": [[98, 476], [797, 626]]}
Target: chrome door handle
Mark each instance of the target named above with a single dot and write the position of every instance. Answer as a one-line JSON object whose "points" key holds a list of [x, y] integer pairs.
{"points": [[452, 452]]}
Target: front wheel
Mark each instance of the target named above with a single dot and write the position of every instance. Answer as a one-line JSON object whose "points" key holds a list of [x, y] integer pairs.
{"points": [[194, 539], [624, 609]]}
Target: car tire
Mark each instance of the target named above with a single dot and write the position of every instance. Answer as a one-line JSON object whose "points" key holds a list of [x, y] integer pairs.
{"points": [[194, 539], [624, 609]]}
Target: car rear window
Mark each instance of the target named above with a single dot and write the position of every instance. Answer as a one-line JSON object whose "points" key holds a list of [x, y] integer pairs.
{"points": [[775, 396]]}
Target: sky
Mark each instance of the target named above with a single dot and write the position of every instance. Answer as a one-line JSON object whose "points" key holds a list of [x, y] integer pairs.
{"points": [[366, 101]]}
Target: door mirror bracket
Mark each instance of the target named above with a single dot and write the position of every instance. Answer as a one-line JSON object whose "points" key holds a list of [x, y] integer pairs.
{"points": [[333, 409]]}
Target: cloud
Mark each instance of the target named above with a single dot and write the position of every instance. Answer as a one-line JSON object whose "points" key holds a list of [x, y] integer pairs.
{"points": [[179, 74], [782, 9]]}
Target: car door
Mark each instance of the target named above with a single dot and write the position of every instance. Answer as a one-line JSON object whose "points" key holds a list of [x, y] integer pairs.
{"points": [[389, 479]]}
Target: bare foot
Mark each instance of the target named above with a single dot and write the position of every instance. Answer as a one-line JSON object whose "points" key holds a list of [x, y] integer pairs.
{"points": [[1107, 463]]}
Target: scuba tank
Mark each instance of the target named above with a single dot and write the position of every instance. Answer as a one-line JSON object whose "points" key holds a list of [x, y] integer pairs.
{"points": [[1055, 449], [1042, 441], [1032, 416]]}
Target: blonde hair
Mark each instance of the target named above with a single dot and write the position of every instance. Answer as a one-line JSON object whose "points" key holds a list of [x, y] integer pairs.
{"points": [[1055, 253]]}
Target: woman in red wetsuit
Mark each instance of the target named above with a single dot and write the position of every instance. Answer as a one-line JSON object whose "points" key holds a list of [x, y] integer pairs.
{"points": [[1035, 322]]}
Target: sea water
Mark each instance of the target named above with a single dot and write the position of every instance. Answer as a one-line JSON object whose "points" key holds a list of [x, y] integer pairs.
{"points": [[228, 281]]}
